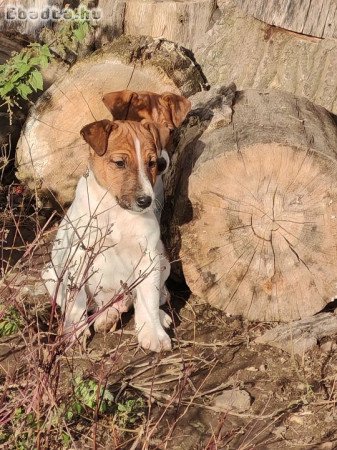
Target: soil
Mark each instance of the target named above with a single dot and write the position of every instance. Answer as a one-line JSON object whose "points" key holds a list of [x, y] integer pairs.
{"points": [[293, 400]]}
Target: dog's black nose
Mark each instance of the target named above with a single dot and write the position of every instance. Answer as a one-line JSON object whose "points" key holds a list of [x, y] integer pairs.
{"points": [[144, 201]]}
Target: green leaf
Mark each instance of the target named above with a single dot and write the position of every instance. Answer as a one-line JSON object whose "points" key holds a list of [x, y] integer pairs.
{"points": [[66, 439], [78, 408], [6, 88], [22, 69], [44, 50], [44, 61], [69, 415], [85, 27], [35, 60], [107, 395], [19, 58], [81, 31], [36, 80], [79, 35], [24, 90]]}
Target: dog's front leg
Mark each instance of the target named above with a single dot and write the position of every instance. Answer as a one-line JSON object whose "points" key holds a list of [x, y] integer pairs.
{"points": [[151, 334], [75, 315]]}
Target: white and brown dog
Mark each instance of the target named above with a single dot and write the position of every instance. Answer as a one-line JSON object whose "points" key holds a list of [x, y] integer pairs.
{"points": [[108, 251], [166, 110]]}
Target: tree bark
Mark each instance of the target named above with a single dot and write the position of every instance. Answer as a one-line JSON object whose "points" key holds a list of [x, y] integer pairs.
{"points": [[302, 335], [8, 45], [255, 217], [184, 22], [318, 18], [257, 55], [51, 155]]}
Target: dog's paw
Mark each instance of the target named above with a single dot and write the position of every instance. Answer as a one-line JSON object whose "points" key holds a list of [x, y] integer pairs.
{"points": [[154, 340], [106, 320], [165, 319]]}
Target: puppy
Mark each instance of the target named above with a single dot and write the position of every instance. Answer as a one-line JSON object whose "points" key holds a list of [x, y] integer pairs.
{"points": [[166, 110], [108, 245]]}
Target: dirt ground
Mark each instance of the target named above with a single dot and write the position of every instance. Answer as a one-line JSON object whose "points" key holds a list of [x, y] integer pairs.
{"points": [[293, 400]]}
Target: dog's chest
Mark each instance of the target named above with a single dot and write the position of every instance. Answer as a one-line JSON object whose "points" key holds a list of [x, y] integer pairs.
{"points": [[125, 247]]}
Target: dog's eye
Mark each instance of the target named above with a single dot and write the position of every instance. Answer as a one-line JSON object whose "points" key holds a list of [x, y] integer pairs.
{"points": [[119, 163], [152, 163]]}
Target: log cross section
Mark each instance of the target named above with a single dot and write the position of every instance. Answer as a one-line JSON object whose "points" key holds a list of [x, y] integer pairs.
{"points": [[262, 239]]}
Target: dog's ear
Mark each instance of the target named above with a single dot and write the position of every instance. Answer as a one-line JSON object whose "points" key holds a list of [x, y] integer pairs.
{"points": [[118, 103], [160, 133], [96, 134], [178, 106]]}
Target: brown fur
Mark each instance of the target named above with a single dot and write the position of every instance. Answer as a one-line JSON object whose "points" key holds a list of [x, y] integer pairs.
{"points": [[114, 141], [167, 109]]}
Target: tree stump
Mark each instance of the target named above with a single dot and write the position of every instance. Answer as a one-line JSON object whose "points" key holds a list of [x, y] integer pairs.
{"points": [[51, 155], [257, 216]]}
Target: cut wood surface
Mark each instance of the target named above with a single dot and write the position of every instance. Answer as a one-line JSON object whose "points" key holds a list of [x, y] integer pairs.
{"points": [[302, 335], [257, 217], [256, 55], [51, 153], [315, 18]]}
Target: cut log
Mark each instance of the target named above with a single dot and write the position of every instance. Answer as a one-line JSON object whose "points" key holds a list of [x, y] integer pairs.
{"points": [[302, 335], [318, 18], [267, 57], [257, 217], [180, 21], [51, 153]]}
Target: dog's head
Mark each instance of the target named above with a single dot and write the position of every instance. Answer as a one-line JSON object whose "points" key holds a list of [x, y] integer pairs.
{"points": [[166, 109], [126, 158]]}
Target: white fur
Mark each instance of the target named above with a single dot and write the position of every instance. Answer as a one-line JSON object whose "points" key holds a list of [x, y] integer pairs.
{"points": [[100, 246], [143, 179]]}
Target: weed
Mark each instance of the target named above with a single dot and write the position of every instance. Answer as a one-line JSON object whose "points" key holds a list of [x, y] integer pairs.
{"points": [[130, 412], [21, 75], [10, 322], [88, 394], [69, 33]]}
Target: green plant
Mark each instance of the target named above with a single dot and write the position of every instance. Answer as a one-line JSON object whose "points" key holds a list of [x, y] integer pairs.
{"points": [[130, 412], [10, 322], [68, 34], [21, 75], [24, 427], [86, 396]]}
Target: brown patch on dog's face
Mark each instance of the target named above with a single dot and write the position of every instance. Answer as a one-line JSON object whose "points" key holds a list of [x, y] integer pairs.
{"points": [[125, 160]]}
